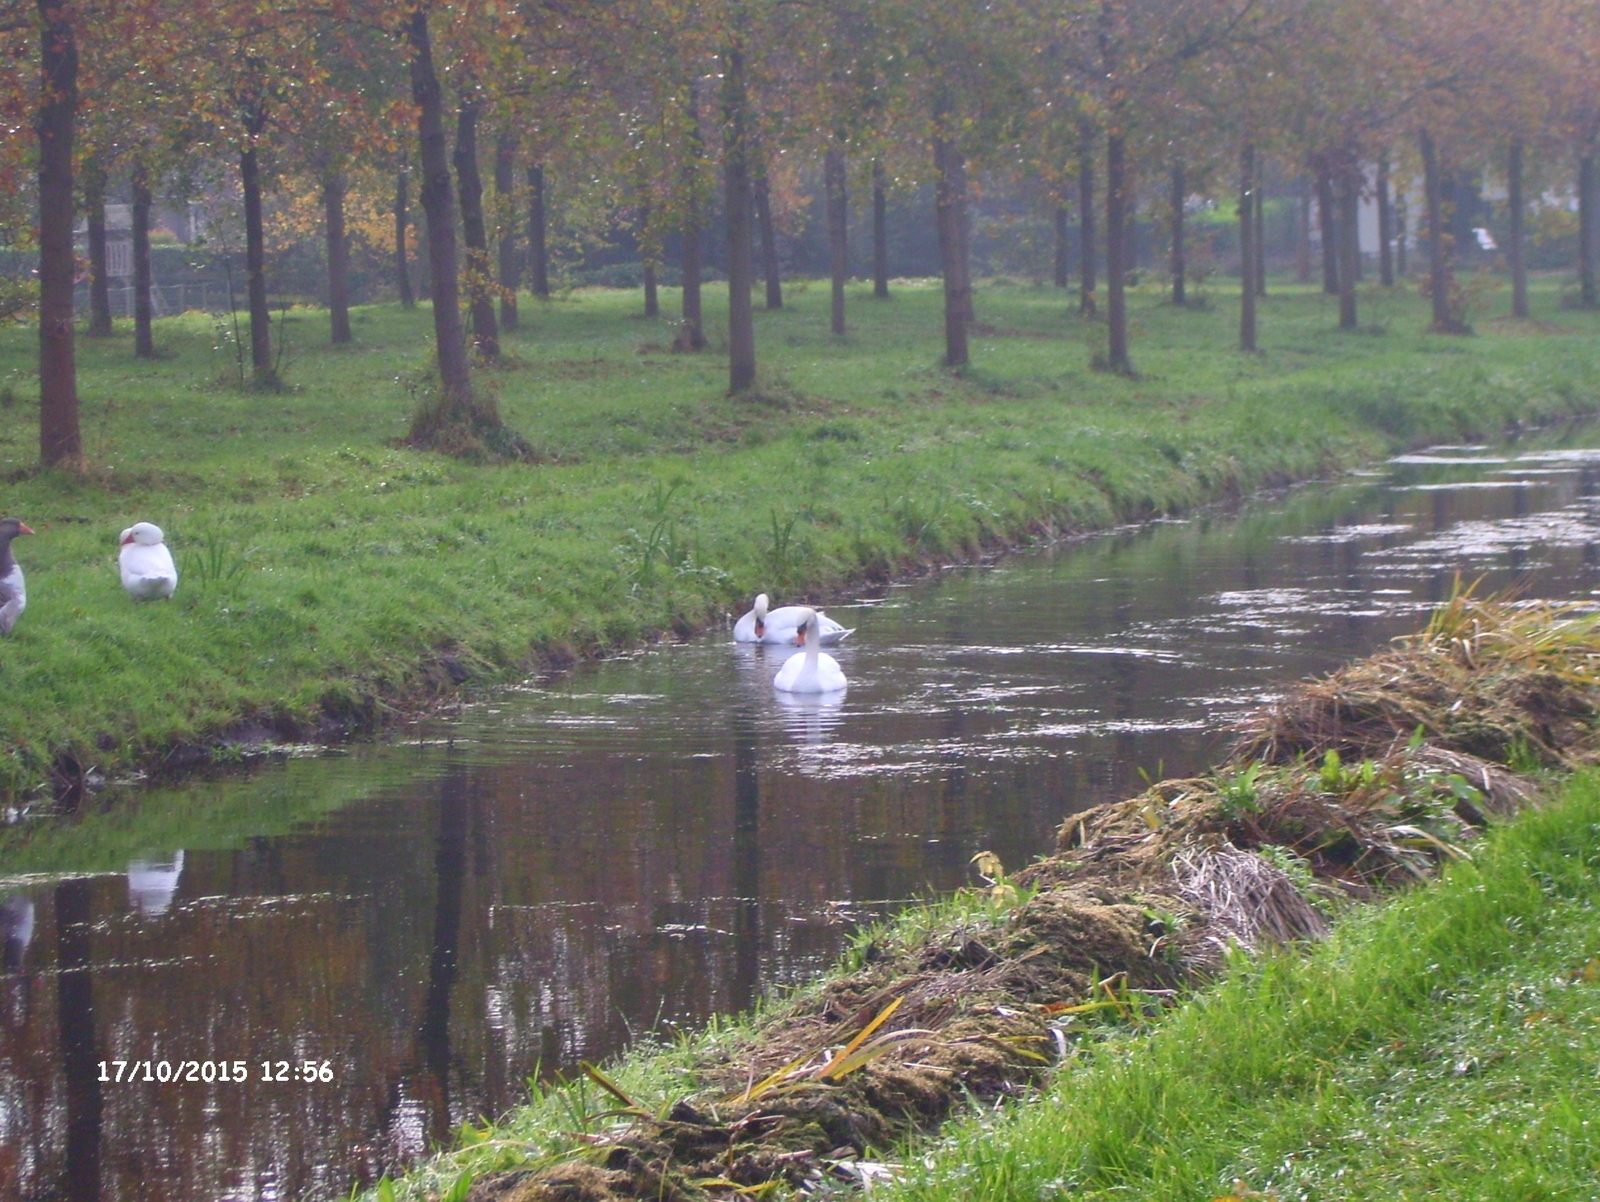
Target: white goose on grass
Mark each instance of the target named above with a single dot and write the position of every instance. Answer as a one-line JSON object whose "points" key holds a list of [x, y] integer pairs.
{"points": [[764, 625], [148, 572], [809, 671]]}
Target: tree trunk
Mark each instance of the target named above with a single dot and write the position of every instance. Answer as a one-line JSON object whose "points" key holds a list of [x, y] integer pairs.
{"points": [[1302, 249], [880, 233], [1247, 249], [538, 224], [510, 270], [647, 247], [333, 193], [402, 269], [1385, 224], [1514, 237], [1261, 234], [1177, 264], [1328, 224], [1063, 255], [1348, 195], [255, 267], [474, 233], [736, 202], [94, 202], [833, 170], [948, 197], [1116, 245], [144, 343], [1400, 238], [1086, 248], [1586, 200], [769, 236], [59, 437], [1440, 268], [438, 204], [958, 161], [693, 336]]}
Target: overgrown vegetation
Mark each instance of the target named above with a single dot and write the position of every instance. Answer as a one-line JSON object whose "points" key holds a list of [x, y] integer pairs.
{"points": [[332, 577], [973, 1000]]}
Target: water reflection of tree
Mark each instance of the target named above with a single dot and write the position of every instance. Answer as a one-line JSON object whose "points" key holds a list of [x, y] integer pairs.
{"points": [[746, 852], [76, 1025]]}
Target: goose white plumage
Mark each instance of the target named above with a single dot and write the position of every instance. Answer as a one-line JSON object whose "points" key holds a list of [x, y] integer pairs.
{"points": [[148, 572], [809, 671], [763, 625]]}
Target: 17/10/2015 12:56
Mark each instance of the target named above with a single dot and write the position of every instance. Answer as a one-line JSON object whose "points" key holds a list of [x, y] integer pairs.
{"points": [[208, 1071]]}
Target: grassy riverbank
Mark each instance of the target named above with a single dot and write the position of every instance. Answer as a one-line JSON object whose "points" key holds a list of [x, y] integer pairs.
{"points": [[1442, 1045], [329, 577]]}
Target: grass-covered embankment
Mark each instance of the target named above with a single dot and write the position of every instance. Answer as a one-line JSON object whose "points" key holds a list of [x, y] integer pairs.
{"points": [[1442, 1045], [328, 576], [1373, 777]]}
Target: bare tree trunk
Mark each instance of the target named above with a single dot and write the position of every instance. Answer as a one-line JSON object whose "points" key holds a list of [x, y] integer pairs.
{"points": [[1440, 268], [1261, 233], [437, 202], [538, 225], [144, 342], [958, 161], [1328, 223], [692, 337], [1588, 293], [1086, 247], [94, 203], [1063, 253], [1247, 249], [1130, 228], [1400, 237], [1178, 263], [333, 193], [1514, 237], [255, 267], [769, 236], [402, 220], [59, 437], [833, 170], [647, 247], [880, 233], [1347, 194], [736, 202], [474, 232], [949, 189], [1116, 245], [1302, 249], [505, 164], [1385, 224]]}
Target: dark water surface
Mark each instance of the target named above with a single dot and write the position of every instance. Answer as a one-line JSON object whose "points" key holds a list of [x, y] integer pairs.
{"points": [[657, 839]]}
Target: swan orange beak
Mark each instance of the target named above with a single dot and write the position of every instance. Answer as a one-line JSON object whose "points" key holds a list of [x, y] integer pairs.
{"points": [[761, 628], [800, 636]]}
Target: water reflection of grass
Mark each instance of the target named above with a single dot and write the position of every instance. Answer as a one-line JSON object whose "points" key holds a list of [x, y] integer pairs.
{"points": [[201, 816], [328, 574]]}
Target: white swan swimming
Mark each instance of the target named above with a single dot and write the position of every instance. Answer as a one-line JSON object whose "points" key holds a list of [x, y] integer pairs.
{"points": [[762, 625], [809, 671]]}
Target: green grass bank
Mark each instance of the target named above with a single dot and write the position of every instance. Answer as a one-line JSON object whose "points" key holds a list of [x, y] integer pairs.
{"points": [[1441, 1045], [330, 578]]}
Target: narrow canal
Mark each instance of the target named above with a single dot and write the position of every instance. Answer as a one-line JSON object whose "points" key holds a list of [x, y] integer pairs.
{"points": [[552, 874]]}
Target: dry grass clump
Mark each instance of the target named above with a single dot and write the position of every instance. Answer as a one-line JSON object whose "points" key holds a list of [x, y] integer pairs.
{"points": [[1507, 682], [1348, 786]]}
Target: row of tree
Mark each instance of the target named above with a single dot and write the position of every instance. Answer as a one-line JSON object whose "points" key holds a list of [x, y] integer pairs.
{"points": [[662, 103]]}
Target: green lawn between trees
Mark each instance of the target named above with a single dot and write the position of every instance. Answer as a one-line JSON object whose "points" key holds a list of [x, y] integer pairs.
{"points": [[324, 569]]}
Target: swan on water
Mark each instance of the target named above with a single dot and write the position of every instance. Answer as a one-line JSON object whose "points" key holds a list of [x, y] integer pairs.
{"points": [[809, 671], [763, 625]]}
